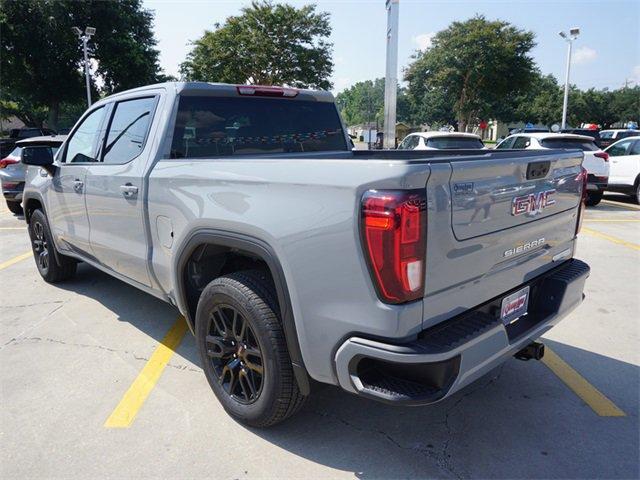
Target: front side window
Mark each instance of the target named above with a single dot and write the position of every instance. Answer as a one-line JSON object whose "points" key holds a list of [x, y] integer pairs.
{"points": [[208, 127], [506, 143], [635, 149], [82, 145], [521, 142], [128, 130]]}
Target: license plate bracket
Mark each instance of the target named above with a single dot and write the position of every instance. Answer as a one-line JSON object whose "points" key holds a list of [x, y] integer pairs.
{"points": [[514, 306]]}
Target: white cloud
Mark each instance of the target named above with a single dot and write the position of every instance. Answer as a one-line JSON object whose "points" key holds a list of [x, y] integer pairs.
{"points": [[423, 40], [584, 55]]}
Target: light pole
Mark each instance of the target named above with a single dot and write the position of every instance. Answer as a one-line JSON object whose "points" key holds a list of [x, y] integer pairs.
{"points": [[85, 36], [573, 34]]}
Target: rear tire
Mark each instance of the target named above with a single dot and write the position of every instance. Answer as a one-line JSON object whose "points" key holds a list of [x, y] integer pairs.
{"points": [[52, 270], [15, 207], [593, 199], [243, 349], [637, 196]]}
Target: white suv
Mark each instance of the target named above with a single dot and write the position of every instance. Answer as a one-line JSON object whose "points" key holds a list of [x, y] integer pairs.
{"points": [[596, 161], [625, 166]]}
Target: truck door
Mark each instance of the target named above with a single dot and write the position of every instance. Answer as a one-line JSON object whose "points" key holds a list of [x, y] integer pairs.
{"points": [[114, 190], [67, 213]]}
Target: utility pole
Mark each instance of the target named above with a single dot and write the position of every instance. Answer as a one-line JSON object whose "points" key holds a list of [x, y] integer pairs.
{"points": [[573, 34], [391, 75], [84, 38]]}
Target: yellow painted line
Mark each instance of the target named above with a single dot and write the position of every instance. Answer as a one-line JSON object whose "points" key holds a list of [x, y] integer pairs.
{"points": [[15, 260], [619, 241], [604, 220], [134, 398], [580, 386], [621, 205]]}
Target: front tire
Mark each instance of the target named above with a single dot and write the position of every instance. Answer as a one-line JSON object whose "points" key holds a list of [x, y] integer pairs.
{"points": [[593, 198], [52, 270], [243, 349], [637, 196]]}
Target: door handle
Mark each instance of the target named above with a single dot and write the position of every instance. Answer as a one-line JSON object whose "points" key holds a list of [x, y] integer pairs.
{"points": [[77, 185], [129, 190]]}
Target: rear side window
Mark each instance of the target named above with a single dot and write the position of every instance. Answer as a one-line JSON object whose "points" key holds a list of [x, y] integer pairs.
{"points": [[222, 126], [128, 130], [447, 143], [604, 134], [584, 145]]}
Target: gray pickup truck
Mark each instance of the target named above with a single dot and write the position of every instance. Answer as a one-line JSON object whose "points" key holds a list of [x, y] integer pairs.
{"points": [[401, 276]]}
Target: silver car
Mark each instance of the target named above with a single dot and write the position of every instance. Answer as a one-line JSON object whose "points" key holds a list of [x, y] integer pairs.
{"points": [[12, 170]]}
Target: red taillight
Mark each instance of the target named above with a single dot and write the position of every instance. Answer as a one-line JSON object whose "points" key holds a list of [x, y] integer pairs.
{"points": [[582, 179], [265, 91], [7, 161], [603, 155], [394, 229]]}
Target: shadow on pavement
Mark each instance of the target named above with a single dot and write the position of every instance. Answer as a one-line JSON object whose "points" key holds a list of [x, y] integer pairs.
{"points": [[520, 421]]}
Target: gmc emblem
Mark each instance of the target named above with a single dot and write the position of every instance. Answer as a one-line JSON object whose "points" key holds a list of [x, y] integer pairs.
{"points": [[533, 203]]}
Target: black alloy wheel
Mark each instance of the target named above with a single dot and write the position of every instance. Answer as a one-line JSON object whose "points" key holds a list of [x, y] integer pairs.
{"points": [[40, 247], [235, 354]]}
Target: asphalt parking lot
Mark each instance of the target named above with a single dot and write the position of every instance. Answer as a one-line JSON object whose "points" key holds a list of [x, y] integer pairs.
{"points": [[74, 403]]}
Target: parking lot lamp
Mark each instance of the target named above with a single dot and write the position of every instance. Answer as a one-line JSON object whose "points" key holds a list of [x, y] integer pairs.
{"points": [[84, 37], [573, 34]]}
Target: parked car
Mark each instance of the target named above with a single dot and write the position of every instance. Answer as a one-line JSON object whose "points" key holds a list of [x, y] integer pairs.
{"points": [[596, 162], [441, 141], [8, 144], [293, 257], [608, 137], [588, 132], [12, 170], [624, 175]]}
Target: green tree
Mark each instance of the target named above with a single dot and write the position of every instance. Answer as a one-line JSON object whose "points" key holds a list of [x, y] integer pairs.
{"points": [[363, 102], [266, 44], [41, 58], [626, 104], [475, 64]]}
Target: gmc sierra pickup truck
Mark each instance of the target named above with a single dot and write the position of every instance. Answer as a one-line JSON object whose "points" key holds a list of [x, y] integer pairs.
{"points": [[401, 276]]}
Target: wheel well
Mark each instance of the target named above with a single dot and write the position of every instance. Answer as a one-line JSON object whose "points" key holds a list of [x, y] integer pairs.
{"points": [[208, 262], [30, 206]]}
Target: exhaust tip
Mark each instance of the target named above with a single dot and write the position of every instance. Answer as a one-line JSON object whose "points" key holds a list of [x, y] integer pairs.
{"points": [[535, 351]]}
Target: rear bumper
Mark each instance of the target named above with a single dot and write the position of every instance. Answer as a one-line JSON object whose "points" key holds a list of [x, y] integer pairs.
{"points": [[12, 191], [452, 354], [596, 183]]}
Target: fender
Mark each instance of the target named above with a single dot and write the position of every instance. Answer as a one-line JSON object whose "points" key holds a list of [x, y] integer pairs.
{"points": [[262, 250]]}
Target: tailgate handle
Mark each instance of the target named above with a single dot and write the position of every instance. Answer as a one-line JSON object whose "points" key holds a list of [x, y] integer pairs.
{"points": [[538, 170]]}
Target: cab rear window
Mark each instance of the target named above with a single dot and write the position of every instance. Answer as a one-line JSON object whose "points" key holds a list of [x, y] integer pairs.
{"points": [[209, 127], [584, 145], [445, 143]]}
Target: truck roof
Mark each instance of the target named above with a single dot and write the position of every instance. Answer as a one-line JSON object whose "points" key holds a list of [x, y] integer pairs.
{"points": [[223, 89]]}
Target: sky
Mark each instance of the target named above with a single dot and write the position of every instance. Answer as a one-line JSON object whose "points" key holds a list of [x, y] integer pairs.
{"points": [[606, 54]]}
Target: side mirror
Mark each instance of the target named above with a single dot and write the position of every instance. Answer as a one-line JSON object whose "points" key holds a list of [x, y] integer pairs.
{"points": [[38, 156]]}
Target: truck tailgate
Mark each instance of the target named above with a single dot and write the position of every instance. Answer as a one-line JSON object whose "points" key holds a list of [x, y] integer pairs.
{"points": [[496, 194], [494, 222]]}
